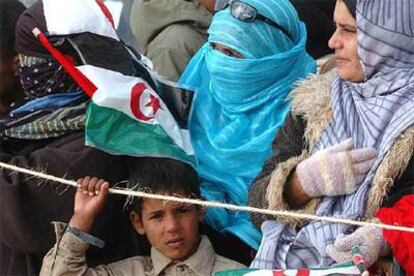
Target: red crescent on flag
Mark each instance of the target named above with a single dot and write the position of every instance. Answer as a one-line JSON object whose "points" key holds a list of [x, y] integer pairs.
{"points": [[136, 94]]}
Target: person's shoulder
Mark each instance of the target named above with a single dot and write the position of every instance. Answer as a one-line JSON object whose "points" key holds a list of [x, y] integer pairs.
{"points": [[221, 263], [133, 264]]}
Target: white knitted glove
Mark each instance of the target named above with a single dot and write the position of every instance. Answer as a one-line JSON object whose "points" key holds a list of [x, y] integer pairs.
{"points": [[370, 241], [337, 170]]}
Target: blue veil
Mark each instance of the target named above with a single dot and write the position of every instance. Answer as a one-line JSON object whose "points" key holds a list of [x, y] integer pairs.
{"points": [[241, 103]]}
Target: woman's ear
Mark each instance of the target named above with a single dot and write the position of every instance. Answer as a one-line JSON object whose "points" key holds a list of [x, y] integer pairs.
{"points": [[137, 223]]}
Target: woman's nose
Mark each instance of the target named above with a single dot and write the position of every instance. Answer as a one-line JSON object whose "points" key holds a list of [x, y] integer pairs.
{"points": [[334, 41]]}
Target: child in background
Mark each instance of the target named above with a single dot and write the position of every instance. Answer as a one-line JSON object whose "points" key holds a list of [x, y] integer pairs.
{"points": [[172, 228]]}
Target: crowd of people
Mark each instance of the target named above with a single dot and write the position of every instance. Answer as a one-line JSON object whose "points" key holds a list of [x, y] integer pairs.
{"points": [[298, 105]]}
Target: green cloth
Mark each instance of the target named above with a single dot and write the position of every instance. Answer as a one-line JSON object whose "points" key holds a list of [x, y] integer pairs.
{"points": [[169, 32]]}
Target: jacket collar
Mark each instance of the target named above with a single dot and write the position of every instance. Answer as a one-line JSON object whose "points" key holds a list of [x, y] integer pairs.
{"points": [[201, 262]]}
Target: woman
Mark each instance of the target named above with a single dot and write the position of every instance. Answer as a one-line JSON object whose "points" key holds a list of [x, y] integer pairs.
{"points": [[348, 139], [242, 75]]}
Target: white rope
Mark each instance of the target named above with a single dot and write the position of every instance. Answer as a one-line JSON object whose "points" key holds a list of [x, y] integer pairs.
{"points": [[275, 213]]}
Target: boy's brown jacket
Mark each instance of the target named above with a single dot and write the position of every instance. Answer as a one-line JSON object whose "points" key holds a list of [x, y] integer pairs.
{"points": [[67, 257]]}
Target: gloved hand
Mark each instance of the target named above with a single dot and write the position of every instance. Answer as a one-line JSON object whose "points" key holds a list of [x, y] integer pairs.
{"points": [[370, 241], [337, 170]]}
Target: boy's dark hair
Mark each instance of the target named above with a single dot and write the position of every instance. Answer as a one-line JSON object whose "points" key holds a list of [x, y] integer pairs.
{"points": [[163, 175], [10, 10]]}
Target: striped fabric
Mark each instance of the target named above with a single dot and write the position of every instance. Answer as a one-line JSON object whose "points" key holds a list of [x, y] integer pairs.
{"points": [[374, 113], [60, 122]]}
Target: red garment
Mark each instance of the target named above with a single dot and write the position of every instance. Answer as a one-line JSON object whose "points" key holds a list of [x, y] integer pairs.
{"points": [[402, 243]]}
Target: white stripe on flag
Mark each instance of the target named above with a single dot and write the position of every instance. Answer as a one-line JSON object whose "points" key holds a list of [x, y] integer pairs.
{"points": [[348, 270], [260, 273], [76, 16], [114, 91]]}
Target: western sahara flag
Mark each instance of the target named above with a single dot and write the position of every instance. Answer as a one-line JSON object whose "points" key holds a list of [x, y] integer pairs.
{"points": [[344, 270], [356, 266], [133, 112]]}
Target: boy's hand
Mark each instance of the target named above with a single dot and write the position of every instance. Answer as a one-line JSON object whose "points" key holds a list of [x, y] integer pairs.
{"points": [[89, 200]]}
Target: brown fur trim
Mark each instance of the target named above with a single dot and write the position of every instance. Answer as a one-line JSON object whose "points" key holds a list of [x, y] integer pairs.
{"points": [[312, 100], [327, 64], [276, 187], [394, 164], [384, 267]]}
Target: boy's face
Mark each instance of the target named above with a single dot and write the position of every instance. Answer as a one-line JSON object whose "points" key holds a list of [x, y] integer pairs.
{"points": [[171, 228]]}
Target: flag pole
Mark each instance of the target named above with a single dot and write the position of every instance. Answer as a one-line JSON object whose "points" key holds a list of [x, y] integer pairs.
{"points": [[67, 64]]}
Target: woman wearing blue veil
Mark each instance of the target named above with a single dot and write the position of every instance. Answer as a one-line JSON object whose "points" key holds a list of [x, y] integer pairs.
{"points": [[242, 76]]}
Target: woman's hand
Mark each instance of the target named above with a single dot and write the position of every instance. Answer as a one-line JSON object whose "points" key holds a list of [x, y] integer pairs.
{"points": [[370, 241], [89, 200], [337, 170]]}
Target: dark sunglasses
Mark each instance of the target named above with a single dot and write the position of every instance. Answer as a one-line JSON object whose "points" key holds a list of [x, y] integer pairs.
{"points": [[246, 13]]}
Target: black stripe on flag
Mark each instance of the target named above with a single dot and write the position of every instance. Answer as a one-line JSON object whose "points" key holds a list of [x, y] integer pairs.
{"points": [[108, 53]]}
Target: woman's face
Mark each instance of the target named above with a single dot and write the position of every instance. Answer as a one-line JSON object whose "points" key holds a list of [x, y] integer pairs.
{"points": [[345, 43]]}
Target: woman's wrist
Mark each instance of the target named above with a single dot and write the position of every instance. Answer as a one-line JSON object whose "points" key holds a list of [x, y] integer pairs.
{"points": [[294, 194]]}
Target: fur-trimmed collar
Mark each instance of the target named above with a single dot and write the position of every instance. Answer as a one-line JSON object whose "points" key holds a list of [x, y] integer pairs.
{"points": [[312, 101]]}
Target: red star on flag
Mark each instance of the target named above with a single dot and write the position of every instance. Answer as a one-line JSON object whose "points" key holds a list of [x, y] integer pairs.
{"points": [[154, 104]]}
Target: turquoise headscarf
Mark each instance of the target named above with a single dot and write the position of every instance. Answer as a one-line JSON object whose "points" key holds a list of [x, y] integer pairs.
{"points": [[241, 103]]}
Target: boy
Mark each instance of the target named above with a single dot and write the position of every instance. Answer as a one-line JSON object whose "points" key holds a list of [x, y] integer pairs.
{"points": [[171, 228]]}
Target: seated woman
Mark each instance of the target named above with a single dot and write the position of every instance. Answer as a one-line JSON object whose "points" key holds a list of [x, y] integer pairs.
{"points": [[347, 143], [254, 55]]}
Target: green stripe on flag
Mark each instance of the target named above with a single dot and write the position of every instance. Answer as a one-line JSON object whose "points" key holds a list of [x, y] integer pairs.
{"points": [[116, 133], [235, 272]]}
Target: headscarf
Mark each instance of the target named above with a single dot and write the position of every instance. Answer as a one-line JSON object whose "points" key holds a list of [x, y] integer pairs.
{"points": [[49, 90], [351, 5], [373, 113], [241, 103], [318, 18]]}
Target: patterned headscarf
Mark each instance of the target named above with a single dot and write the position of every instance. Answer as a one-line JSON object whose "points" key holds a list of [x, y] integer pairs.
{"points": [[44, 76], [241, 103], [373, 113]]}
